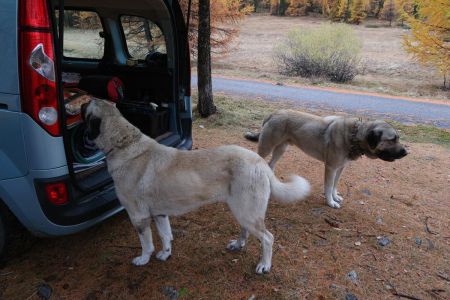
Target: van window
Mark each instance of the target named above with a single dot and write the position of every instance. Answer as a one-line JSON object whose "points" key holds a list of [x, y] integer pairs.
{"points": [[142, 36], [82, 31]]}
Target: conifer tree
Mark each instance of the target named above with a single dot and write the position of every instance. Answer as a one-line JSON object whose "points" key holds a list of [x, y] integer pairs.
{"points": [[430, 35]]}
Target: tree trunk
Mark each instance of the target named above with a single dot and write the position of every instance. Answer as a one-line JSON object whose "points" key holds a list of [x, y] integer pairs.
{"points": [[205, 105]]}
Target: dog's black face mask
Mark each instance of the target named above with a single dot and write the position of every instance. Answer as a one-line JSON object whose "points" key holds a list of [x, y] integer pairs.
{"points": [[386, 149], [92, 123]]}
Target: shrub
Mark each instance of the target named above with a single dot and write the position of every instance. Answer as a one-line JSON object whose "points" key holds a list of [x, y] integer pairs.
{"points": [[331, 51]]}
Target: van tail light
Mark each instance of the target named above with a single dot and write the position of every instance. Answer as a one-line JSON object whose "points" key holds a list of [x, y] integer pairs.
{"points": [[56, 193], [37, 55]]}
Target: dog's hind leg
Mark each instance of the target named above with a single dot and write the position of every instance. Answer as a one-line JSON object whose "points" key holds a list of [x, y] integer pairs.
{"points": [[165, 233], [277, 153], [237, 245], [330, 175], [336, 197], [142, 226]]}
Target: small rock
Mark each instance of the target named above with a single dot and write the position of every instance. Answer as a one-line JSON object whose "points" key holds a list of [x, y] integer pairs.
{"points": [[44, 291], [418, 241], [366, 192], [334, 286], [379, 220], [317, 211], [353, 277], [430, 244], [350, 297], [279, 83], [358, 243], [234, 260], [170, 292], [252, 297], [384, 241], [361, 202], [201, 126]]}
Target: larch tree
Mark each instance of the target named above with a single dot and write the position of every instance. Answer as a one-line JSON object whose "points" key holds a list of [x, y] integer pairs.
{"points": [[205, 104], [298, 8], [429, 40], [389, 11], [342, 10], [357, 11], [212, 28]]}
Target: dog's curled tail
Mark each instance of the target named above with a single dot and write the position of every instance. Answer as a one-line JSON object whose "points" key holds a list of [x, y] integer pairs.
{"points": [[296, 189], [252, 136]]}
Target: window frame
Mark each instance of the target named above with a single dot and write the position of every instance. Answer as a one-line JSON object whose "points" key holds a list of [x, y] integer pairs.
{"points": [[102, 23], [124, 39]]}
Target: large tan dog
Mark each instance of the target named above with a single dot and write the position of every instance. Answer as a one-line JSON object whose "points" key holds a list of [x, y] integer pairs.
{"points": [[333, 140], [154, 181]]}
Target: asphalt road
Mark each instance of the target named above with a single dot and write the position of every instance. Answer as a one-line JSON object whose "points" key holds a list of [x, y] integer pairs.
{"points": [[402, 110]]}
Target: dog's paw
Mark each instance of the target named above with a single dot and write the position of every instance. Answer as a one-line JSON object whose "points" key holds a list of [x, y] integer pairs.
{"points": [[163, 255], [234, 245], [338, 198], [333, 204], [141, 260], [262, 268]]}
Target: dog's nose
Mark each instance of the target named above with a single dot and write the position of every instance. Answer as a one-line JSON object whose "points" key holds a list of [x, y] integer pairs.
{"points": [[403, 152]]}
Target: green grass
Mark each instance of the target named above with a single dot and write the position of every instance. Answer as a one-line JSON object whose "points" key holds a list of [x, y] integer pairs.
{"points": [[238, 113], [423, 134]]}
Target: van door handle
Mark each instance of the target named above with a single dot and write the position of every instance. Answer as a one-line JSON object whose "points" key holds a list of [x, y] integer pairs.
{"points": [[3, 106]]}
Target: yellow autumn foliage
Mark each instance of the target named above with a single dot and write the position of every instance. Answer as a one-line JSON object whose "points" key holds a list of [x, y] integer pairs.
{"points": [[429, 40]]}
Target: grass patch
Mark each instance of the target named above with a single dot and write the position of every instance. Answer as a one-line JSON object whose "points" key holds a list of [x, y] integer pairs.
{"points": [[236, 112], [239, 113], [423, 134]]}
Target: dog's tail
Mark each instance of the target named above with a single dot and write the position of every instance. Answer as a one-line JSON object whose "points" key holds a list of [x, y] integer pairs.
{"points": [[252, 136], [296, 189]]}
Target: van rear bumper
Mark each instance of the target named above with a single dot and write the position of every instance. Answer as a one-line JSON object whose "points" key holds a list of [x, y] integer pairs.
{"points": [[24, 198]]}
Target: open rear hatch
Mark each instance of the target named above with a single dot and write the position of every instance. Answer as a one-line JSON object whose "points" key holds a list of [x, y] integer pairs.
{"points": [[113, 54]]}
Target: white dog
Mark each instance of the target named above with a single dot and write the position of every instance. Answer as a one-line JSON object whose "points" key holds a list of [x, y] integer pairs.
{"points": [[154, 181]]}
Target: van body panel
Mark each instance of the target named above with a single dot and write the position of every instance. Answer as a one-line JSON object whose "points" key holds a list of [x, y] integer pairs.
{"points": [[30, 157], [9, 47], [10, 102], [43, 150], [13, 159], [20, 197]]}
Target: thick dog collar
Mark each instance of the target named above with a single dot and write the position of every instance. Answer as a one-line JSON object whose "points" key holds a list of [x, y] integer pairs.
{"points": [[355, 148]]}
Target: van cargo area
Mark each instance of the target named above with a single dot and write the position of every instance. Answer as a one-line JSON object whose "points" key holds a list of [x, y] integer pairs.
{"points": [[131, 63]]}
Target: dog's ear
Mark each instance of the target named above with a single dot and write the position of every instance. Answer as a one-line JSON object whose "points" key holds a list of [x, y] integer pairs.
{"points": [[83, 111], [373, 138], [93, 127]]}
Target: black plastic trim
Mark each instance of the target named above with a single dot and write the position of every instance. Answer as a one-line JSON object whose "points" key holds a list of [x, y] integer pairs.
{"points": [[80, 208]]}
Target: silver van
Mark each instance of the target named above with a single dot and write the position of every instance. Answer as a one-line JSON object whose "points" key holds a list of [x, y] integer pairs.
{"points": [[135, 53]]}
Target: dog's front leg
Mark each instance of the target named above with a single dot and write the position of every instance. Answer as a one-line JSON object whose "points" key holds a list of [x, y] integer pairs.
{"points": [[336, 197], [142, 226], [165, 233], [330, 175]]}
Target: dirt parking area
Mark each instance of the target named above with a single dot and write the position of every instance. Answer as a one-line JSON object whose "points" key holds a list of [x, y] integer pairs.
{"points": [[391, 239], [388, 68]]}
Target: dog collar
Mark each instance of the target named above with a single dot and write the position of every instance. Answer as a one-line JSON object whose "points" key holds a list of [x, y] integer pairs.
{"points": [[355, 148]]}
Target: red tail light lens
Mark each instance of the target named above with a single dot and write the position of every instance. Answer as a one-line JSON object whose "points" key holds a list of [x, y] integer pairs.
{"points": [[38, 86], [34, 13], [57, 193]]}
